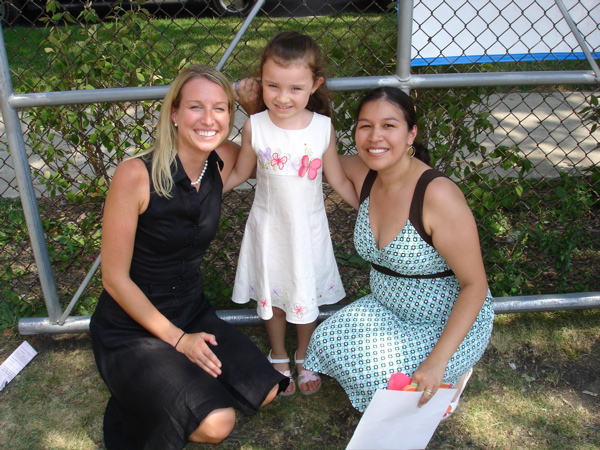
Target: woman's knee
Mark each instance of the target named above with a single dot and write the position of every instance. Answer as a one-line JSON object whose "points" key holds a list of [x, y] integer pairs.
{"points": [[215, 427], [271, 395]]}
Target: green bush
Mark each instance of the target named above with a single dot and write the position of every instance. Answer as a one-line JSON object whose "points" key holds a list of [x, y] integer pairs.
{"points": [[100, 135]]}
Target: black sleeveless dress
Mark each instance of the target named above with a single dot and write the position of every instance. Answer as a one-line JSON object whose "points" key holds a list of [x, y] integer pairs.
{"points": [[159, 397]]}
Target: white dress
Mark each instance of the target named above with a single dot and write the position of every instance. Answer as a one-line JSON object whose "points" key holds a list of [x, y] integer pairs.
{"points": [[286, 259]]}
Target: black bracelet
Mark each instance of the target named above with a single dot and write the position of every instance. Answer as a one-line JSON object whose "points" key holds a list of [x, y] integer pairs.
{"points": [[179, 340]]}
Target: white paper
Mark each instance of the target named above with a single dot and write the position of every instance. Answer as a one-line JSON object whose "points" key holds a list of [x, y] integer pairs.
{"points": [[393, 421], [15, 363]]}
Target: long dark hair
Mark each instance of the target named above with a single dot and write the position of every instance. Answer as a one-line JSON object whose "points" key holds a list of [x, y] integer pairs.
{"points": [[289, 47], [404, 103]]}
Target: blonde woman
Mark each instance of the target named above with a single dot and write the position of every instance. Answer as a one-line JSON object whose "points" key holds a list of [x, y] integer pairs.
{"points": [[174, 369]]}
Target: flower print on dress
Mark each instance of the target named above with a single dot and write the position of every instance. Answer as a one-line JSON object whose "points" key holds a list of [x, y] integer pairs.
{"points": [[265, 303], [332, 287], [299, 310], [309, 166], [280, 298], [307, 150], [278, 161]]}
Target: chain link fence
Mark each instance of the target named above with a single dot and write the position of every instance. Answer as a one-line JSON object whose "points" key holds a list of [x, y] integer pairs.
{"points": [[515, 126]]}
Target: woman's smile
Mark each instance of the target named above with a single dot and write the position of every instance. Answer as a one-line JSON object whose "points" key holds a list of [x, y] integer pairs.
{"points": [[377, 150], [209, 133]]}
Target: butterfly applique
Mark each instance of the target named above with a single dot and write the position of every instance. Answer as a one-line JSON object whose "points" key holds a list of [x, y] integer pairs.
{"points": [[309, 166], [264, 156], [294, 165], [279, 162]]}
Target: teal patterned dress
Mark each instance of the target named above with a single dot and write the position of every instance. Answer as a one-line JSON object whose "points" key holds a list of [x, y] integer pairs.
{"points": [[394, 328]]}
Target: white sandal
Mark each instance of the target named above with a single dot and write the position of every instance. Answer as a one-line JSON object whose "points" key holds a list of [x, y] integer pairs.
{"points": [[306, 376], [285, 373]]}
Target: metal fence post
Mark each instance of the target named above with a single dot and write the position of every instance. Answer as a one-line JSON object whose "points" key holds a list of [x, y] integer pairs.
{"points": [[579, 38], [238, 36], [16, 144], [405, 23]]}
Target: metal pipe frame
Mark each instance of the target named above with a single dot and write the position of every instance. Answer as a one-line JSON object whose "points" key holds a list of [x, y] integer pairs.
{"points": [[249, 317], [579, 37], [425, 81], [58, 322], [18, 154]]}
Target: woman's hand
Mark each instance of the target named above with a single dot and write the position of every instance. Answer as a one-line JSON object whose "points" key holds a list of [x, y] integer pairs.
{"points": [[195, 347], [429, 377]]}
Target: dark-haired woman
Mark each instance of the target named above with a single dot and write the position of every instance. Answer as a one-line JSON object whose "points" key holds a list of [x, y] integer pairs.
{"points": [[429, 314]]}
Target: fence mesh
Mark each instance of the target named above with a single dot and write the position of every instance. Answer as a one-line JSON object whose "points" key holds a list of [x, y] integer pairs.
{"points": [[526, 156]]}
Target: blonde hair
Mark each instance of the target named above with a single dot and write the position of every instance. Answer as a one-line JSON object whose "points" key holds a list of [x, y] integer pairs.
{"points": [[164, 148]]}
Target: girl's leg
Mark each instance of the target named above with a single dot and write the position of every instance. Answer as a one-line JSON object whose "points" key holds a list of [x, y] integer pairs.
{"points": [[304, 332], [276, 331], [215, 427]]}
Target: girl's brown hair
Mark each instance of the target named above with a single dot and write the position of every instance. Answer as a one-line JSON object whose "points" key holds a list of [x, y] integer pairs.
{"points": [[289, 47]]}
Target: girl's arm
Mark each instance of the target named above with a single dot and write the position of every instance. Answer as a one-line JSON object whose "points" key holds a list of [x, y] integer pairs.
{"points": [[335, 175], [450, 222], [246, 161], [127, 198]]}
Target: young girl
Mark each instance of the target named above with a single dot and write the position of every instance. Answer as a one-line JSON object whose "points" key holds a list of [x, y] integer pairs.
{"points": [[286, 262]]}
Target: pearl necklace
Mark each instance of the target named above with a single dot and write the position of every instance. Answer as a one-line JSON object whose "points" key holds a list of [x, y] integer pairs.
{"points": [[197, 182]]}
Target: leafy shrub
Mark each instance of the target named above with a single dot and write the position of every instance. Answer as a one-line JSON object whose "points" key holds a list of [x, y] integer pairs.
{"points": [[96, 136]]}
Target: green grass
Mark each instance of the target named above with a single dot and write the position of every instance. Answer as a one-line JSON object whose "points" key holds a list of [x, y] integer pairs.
{"points": [[57, 401]]}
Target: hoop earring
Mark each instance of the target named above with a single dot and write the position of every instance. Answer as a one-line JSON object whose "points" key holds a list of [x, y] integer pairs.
{"points": [[411, 151]]}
